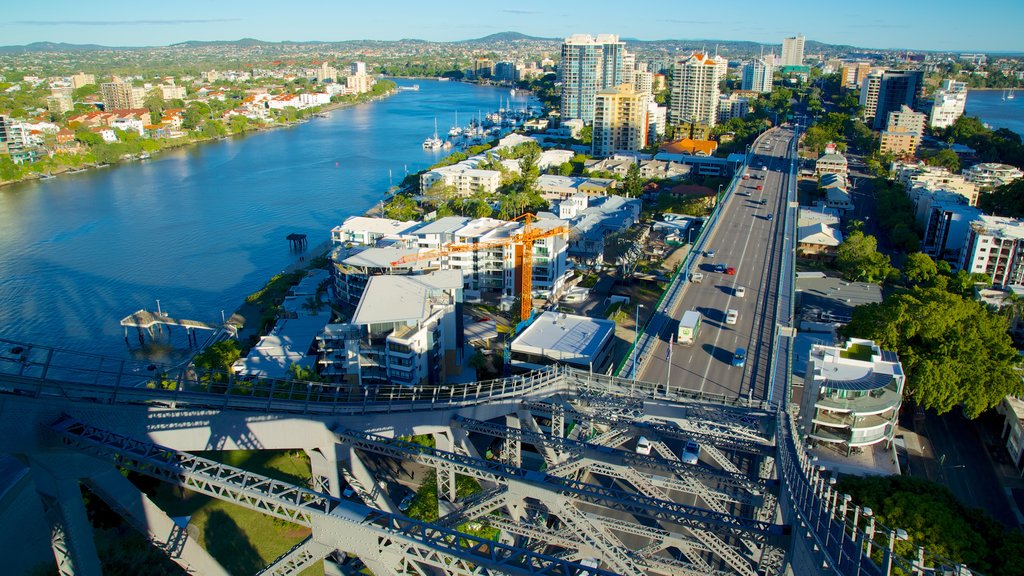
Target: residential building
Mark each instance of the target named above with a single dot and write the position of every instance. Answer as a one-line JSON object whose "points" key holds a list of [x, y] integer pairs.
{"points": [[559, 338], [171, 91], [364, 231], [897, 88], [818, 241], [657, 118], [989, 175], [852, 74], [852, 395], [326, 73], [620, 121], [903, 132], [694, 96], [946, 226], [643, 82], [119, 95], [553, 187], [837, 196], [357, 69], [464, 177], [921, 176], [757, 75], [16, 141], [732, 106], [831, 162], [869, 89], [1012, 410], [793, 51], [949, 104], [691, 147], [995, 247], [506, 71], [406, 330], [60, 101], [588, 66], [80, 79]]}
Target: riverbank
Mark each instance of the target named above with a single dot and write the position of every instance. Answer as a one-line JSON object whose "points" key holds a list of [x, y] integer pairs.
{"points": [[191, 140]]}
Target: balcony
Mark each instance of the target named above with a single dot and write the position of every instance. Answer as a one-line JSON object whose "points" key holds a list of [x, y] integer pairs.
{"points": [[835, 420], [842, 437], [875, 402]]}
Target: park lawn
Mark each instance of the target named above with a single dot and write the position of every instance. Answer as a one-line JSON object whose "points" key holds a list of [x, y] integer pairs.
{"points": [[242, 540]]}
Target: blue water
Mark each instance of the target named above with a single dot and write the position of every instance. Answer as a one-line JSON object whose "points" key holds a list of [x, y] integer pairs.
{"points": [[996, 112], [200, 228]]}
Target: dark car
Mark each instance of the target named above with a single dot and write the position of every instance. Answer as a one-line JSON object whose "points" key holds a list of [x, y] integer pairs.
{"points": [[719, 267], [771, 216], [739, 358]]}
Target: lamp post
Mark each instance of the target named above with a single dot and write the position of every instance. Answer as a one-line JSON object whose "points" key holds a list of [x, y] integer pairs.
{"points": [[718, 198], [894, 534], [636, 338]]}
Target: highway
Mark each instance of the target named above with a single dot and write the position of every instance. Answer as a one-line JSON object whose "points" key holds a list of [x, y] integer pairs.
{"points": [[748, 241]]}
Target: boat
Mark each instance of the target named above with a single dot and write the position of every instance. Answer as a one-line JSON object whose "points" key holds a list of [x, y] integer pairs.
{"points": [[433, 142], [512, 92], [455, 130], [145, 156], [413, 88]]}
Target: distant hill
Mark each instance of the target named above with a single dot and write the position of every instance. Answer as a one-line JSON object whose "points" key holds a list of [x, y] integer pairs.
{"points": [[507, 37], [55, 47], [243, 43]]}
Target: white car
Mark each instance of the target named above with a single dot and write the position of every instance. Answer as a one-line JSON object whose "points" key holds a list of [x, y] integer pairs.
{"points": [[740, 291], [732, 316], [691, 452], [643, 446]]}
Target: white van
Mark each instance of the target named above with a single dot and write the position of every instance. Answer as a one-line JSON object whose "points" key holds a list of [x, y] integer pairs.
{"points": [[643, 446]]}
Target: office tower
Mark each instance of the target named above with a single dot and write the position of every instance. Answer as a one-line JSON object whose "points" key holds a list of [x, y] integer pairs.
{"points": [[869, 95], [757, 75], [853, 73], [483, 68], [118, 95], [620, 120], [793, 51], [506, 71], [695, 90], [589, 65], [950, 101], [897, 88]]}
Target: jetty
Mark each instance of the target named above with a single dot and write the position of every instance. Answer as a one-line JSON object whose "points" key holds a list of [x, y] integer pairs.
{"points": [[147, 321]]}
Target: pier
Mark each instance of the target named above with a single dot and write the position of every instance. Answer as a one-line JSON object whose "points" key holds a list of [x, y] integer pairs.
{"points": [[145, 320]]}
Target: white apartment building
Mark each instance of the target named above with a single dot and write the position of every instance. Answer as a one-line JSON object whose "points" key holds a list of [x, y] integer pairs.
{"points": [[793, 51], [365, 231], [119, 95], [950, 101], [852, 395], [464, 177], [732, 106], [406, 330], [990, 174], [171, 91], [588, 66], [620, 121], [995, 247], [694, 96], [657, 118], [757, 75], [920, 175], [946, 225], [869, 90]]}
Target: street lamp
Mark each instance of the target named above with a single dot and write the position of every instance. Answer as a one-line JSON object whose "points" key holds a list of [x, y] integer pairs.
{"points": [[636, 338], [894, 534]]}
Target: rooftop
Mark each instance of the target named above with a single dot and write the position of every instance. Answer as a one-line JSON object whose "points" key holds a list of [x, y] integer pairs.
{"points": [[380, 257], [562, 336], [851, 368], [376, 225], [1000, 226], [445, 225], [393, 299]]}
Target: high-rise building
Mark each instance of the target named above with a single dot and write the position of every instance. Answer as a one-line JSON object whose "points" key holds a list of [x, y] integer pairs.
{"points": [[793, 51], [326, 72], [506, 71], [757, 75], [903, 132], [620, 121], [695, 90], [483, 68], [852, 74], [869, 94], [60, 100], [732, 106], [896, 88], [995, 247], [950, 101], [357, 68], [118, 95], [80, 79], [589, 65]]}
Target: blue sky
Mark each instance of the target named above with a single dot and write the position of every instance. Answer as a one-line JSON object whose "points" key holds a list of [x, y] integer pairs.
{"points": [[983, 25]]}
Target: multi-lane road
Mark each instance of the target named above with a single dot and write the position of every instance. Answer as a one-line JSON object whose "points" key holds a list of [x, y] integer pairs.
{"points": [[749, 238]]}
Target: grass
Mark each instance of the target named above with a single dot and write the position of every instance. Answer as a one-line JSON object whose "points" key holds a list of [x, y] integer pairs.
{"points": [[857, 352], [242, 540]]}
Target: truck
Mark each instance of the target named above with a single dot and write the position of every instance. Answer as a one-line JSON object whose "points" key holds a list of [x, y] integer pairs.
{"points": [[689, 326]]}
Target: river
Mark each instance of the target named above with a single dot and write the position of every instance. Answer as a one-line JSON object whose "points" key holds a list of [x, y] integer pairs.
{"points": [[989, 106], [201, 227]]}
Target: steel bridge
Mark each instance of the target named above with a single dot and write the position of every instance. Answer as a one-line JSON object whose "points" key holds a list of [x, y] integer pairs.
{"points": [[553, 452]]}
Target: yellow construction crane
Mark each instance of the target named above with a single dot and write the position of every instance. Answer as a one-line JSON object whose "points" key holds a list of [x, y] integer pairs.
{"points": [[523, 242]]}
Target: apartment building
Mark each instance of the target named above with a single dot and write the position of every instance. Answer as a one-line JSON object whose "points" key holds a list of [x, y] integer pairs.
{"points": [[946, 225], [589, 64], [896, 88], [757, 75], [620, 121], [694, 96], [732, 106], [921, 176], [903, 132], [950, 101], [989, 175], [852, 74], [119, 95], [869, 89], [995, 247], [406, 330], [368, 231], [793, 51], [60, 100], [852, 395], [78, 80]]}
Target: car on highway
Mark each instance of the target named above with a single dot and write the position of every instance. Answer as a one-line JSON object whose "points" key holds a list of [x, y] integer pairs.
{"points": [[710, 253], [730, 271], [759, 187], [739, 358], [691, 452], [348, 492], [406, 502], [740, 291], [771, 217], [719, 267], [643, 446], [732, 316], [697, 277]]}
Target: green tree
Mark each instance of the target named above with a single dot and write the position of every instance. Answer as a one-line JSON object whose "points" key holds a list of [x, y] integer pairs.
{"points": [[633, 186], [565, 169], [920, 269], [529, 170], [587, 135], [1006, 200], [154, 102], [238, 124], [218, 357], [303, 374], [945, 158], [858, 259], [954, 350], [401, 208], [214, 129]]}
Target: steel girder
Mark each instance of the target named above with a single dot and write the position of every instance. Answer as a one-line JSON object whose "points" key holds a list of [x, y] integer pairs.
{"points": [[298, 558]]}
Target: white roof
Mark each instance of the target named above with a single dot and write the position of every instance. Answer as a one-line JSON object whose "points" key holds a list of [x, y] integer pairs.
{"points": [[561, 336], [402, 298], [819, 234], [1000, 226], [286, 344], [480, 227], [379, 257], [376, 225], [445, 225]]}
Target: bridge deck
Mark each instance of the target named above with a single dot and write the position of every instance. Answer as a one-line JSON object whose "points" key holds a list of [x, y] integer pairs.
{"points": [[147, 319]]}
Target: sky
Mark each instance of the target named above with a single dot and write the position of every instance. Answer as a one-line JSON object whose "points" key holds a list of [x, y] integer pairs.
{"points": [[979, 25]]}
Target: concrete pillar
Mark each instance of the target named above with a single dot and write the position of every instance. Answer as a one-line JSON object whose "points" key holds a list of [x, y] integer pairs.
{"points": [[323, 462], [363, 482], [72, 535]]}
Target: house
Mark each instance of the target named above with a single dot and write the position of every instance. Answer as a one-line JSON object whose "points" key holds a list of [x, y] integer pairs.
{"points": [[818, 241], [837, 196], [831, 163]]}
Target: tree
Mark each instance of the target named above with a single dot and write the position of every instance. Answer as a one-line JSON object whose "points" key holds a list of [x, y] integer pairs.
{"points": [[858, 259], [218, 357], [214, 129], [238, 124], [1006, 200], [920, 269], [633, 185], [565, 169], [303, 374], [194, 115], [529, 171], [954, 350], [154, 102], [945, 158], [401, 208]]}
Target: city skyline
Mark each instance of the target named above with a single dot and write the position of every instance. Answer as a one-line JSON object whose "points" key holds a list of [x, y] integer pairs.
{"points": [[938, 26]]}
